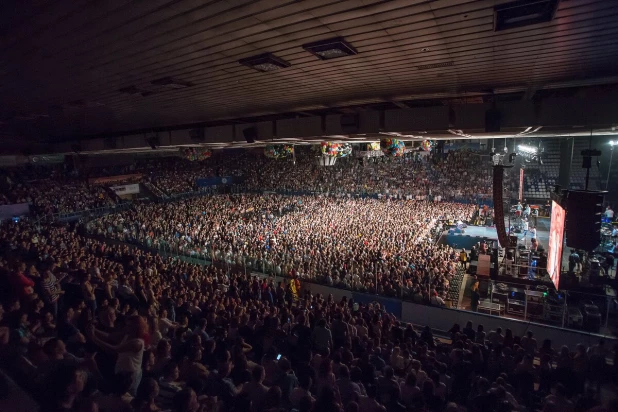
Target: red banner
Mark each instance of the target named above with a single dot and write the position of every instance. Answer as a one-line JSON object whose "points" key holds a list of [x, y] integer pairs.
{"points": [[521, 184]]}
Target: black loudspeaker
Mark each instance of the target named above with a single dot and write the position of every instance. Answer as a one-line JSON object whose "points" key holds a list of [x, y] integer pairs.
{"points": [[498, 193], [583, 219], [250, 134], [493, 271], [493, 118]]}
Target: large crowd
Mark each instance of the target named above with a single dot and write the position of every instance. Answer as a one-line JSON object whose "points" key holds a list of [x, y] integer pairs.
{"points": [[173, 175], [99, 316], [88, 325], [51, 190], [455, 176], [365, 244]]}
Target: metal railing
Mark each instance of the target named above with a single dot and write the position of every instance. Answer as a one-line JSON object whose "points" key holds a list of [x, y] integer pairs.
{"points": [[75, 215]]}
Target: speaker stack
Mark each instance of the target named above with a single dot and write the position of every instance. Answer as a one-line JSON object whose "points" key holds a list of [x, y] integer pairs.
{"points": [[499, 205]]}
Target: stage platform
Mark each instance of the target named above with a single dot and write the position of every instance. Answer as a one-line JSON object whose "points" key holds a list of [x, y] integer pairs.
{"points": [[474, 234]]}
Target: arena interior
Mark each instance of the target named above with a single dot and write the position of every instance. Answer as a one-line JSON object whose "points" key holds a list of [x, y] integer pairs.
{"points": [[308, 206]]}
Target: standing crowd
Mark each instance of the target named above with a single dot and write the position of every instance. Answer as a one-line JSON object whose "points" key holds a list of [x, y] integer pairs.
{"points": [[368, 245]]}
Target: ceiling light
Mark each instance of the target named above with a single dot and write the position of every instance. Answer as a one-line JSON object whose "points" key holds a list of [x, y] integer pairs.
{"points": [[171, 83], [330, 49], [266, 62], [613, 143], [523, 18], [523, 13]]}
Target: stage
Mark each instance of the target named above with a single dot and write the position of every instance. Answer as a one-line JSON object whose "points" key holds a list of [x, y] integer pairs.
{"points": [[474, 234]]}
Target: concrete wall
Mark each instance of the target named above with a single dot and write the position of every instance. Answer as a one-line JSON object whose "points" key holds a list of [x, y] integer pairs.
{"points": [[442, 319], [445, 318]]}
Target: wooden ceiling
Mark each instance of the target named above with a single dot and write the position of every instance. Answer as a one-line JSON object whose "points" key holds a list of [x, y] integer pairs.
{"points": [[63, 62]]}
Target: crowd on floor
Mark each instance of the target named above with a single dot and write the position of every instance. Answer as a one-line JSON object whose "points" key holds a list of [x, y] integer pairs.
{"points": [[382, 245], [87, 325]]}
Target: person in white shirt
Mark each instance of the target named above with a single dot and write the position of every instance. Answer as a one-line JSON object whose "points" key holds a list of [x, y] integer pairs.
{"points": [[525, 228], [609, 214]]}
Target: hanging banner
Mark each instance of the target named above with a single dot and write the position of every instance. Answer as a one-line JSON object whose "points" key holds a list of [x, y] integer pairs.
{"points": [[121, 190], [521, 184], [114, 179]]}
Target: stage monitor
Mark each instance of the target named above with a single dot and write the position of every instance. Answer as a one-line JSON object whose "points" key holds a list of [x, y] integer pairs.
{"points": [[556, 240]]}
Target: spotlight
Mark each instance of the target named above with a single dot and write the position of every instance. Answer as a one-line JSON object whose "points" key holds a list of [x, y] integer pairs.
{"points": [[527, 149]]}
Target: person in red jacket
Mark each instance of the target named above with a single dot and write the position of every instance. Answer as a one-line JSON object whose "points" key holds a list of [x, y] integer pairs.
{"points": [[22, 285]]}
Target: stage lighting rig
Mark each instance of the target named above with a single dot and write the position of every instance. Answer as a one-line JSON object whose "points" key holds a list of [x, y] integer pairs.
{"points": [[527, 150], [531, 153]]}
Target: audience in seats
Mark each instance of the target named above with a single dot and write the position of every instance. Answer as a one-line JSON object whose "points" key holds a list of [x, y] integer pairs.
{"points": [[200, 338]]}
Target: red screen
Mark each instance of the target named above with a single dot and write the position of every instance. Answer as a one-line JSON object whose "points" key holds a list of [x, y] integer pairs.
{"points": [[556, 240]]}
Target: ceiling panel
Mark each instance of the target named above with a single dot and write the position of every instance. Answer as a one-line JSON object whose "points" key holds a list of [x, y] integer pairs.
{"points": [[55, 53]]}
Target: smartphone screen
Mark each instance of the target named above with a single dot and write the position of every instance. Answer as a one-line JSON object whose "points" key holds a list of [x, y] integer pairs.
{"points": [[279, 357]]}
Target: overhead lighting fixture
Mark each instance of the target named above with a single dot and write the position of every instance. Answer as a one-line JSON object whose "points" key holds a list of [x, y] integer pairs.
{"points": [[527, 149], [522, 13], [171, 83], [613, 143], [330, 49], [266, 62]]}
